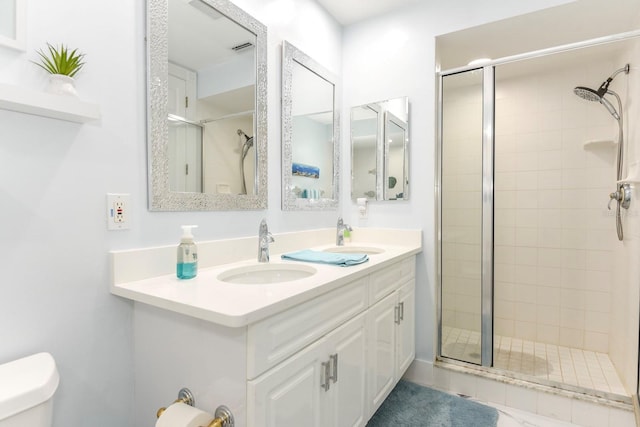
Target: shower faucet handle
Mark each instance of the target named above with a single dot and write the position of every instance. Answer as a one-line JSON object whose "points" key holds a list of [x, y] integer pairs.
{"points": [[622, 195], [613, 196]]}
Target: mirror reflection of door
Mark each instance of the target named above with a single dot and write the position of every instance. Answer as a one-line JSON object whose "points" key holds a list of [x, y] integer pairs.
{"points": [[394, 137], [312, 134], [212, 94], [364, 153], [185, 136]]}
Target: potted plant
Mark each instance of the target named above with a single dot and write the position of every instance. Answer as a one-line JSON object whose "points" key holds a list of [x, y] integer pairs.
{"points": [[62, 65]]}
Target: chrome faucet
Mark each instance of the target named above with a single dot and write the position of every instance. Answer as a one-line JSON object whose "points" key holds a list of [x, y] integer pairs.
{"points": [[264, 238], [341, 227]]}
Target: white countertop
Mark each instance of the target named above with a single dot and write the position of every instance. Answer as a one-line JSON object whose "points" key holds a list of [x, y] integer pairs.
{"points": [[236, 305]]}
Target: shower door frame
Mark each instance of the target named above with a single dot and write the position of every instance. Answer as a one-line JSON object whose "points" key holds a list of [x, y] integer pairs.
{"points": [[486, 280], [488, 103]]}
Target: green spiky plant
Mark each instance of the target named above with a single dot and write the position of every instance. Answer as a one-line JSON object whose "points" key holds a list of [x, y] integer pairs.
{"points": [[59, 60]]}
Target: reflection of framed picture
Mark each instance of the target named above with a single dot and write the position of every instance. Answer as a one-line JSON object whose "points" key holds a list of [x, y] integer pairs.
{"points": [[305, 170]]}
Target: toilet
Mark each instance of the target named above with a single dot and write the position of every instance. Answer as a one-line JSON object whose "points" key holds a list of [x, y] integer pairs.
{"points": [[27, 386]]}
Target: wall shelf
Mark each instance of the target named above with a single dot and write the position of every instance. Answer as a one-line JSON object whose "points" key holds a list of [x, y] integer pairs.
{"points": [[29, 101], [600, 143]]}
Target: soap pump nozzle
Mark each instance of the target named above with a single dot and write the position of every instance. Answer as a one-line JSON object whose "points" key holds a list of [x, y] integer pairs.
{"points": [[187, 234]]}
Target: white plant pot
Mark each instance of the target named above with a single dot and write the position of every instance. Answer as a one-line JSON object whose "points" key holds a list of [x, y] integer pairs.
{"points": [[62, 85]]}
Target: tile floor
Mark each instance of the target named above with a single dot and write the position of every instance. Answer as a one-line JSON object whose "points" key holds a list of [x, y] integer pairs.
{"points": [[509, 417], [572, 366]]}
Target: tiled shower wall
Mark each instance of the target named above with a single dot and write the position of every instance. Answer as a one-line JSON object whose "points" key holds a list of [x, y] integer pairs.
{"points": [[554, 237]]}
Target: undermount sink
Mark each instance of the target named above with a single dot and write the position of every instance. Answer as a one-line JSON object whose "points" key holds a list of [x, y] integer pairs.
{"points": [[266, 273], [369, 250]]}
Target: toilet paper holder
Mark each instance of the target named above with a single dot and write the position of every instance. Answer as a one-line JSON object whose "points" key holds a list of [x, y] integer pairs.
{"points": [[223, 415]]}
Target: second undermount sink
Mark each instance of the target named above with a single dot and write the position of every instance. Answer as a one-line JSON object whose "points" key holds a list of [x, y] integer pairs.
{"points": [[266, 273], [369, 250]]}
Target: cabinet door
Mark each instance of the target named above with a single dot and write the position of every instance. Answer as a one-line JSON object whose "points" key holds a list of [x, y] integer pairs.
{"points": [[406, 328], [381, 353], [290, 394], [347, 352]]}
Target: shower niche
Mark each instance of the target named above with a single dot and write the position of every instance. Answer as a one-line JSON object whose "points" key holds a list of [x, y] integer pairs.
{"points": [[532, 273]]}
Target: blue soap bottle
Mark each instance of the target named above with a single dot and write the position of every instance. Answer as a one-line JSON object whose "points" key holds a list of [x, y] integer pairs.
{"points": [[187, 262]]}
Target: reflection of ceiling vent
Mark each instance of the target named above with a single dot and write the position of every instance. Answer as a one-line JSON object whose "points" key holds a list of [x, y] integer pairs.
{"points": [[242, 46]]}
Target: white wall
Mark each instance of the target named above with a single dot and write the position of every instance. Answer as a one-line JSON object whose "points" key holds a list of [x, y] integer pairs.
{"points": [[53, 179], [54, 176]]}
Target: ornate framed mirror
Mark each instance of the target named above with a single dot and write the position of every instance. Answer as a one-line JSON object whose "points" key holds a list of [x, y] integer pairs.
{"points": [[310, 133], [206, 106]]}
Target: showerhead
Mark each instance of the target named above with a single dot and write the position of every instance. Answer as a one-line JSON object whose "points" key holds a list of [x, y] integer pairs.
{"points": [[589, 94], [592, 95]]}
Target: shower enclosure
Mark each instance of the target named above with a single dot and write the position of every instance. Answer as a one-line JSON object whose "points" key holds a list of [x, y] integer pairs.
{"points": [[533, 281]]}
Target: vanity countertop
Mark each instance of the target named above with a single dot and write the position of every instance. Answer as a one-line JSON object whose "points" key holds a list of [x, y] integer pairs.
{"points": [[236, 305]]}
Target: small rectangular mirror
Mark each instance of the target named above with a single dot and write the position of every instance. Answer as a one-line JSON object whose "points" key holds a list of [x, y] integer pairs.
{"points": [[380, 150], [13, 17]]}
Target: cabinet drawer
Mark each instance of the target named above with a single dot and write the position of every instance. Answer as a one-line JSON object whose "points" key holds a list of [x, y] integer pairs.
{"points": [[274, 339], [384, 282]]}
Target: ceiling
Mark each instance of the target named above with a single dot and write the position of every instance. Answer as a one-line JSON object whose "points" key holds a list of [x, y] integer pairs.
{"points": [[574, 21], [351, 11], [569, 23]]}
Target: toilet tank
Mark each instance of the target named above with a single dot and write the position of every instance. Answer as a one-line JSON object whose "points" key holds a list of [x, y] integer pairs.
{"points": [[27, 386]]}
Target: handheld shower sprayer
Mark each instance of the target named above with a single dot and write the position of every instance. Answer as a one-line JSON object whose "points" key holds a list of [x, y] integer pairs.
{"points": [[246, 145], [623, 193]]}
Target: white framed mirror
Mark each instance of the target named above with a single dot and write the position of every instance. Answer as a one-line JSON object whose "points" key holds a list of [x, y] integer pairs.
{"points": [[13, 23], [310, 133], [380, 150], [206, 107]]}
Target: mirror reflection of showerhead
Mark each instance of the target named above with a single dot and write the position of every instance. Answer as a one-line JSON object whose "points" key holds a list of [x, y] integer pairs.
{"points": [[240, 132], [247, 144], [248, 139]]}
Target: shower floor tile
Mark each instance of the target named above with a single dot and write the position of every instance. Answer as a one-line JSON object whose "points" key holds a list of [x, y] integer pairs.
{"points": [[546, 361]]}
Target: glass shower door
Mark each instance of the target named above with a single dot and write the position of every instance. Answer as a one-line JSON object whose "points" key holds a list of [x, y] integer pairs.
{"points": [[463, 156]]}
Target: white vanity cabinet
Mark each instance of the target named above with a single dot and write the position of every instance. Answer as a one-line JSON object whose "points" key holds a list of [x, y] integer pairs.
{"points": [[390, 330], [342, 377], [321, 385], [329, 360]]}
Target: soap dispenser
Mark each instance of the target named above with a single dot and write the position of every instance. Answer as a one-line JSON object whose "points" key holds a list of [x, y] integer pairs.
{"points": [[187, 263]]}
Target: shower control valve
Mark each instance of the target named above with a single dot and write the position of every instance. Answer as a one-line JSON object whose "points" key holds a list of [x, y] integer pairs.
{"points": [[622, 195]]}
